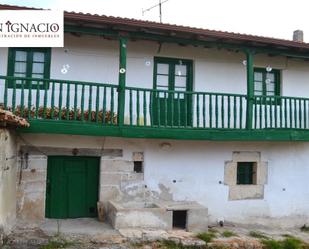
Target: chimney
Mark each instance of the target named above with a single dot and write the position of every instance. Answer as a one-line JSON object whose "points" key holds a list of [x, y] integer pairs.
{"points": [[298, 36]]}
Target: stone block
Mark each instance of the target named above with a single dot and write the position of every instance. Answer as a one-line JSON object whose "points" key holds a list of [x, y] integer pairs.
{"points": [[138, 156], [246, 156], [197, 220], [246, 192], [113, 179], [109, 193], [116, 166], [28, 176], [230, 173], [39, 163]]}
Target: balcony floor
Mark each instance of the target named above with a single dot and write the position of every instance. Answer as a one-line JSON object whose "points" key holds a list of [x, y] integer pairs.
{"points": [[92, 129]]}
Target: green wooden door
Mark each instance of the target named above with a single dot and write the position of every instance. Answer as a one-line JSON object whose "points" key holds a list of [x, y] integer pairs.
{"points": [[72, 187], [172, 109]]}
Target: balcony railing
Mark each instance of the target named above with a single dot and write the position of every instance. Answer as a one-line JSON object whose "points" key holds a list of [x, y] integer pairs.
{"points": [[97, 103]]}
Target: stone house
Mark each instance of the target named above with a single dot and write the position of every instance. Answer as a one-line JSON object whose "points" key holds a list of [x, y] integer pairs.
{"points": [[157, 125]]}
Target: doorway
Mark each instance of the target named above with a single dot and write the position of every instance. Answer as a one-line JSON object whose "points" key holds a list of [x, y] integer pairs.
{"points": [[72, 187], [172, 109]]}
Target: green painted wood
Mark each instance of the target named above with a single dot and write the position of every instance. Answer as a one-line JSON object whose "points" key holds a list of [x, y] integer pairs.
{"points": [[14, 96], [75, 128], [82, 103], [305, 114], [60, 101], [235, 112], [137, 108], [122, 79], [5, 97], [144, 108], [29, 100], [45, 101], [75, 101], [186, 41], [97, 104], [22, 99], [53, 101], [198, 109], [67, 101], [131, 107], [250, 89], [90, 104], [104, 106], [216, 111], [112, 106], [210, 110], [72, 187], [204, 110]]}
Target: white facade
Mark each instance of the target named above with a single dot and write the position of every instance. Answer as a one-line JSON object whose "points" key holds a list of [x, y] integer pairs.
{"points": [[194, 171], [191, 170], [95, 59]]}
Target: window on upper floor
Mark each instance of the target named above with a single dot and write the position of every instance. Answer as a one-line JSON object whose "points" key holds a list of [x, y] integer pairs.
{"points": [[266, 83], [30, 63], [246, 173]]}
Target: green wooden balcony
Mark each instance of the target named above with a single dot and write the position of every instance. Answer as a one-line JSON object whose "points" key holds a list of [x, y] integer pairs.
{"points": [[88, 108]]}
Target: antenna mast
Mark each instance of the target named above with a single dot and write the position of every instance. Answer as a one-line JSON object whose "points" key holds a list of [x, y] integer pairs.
{"points": [[154, 6]]}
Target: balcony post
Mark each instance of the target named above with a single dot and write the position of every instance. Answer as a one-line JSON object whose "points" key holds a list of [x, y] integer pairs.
{"points": [[250, 88], [122, 79]]}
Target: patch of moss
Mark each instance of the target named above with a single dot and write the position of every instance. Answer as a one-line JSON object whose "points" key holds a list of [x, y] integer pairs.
{"points": [[228, 234], [207, 237], [289, 242], [57, 243], [258, 235]]}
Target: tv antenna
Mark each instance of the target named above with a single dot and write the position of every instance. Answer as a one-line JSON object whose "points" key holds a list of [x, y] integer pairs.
{"points": [[154, 6]]}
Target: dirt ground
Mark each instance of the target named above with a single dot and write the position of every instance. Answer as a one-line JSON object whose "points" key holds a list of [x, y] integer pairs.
{"points": [[227, 237]]}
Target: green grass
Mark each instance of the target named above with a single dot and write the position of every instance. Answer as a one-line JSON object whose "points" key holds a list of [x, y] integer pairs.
{"points": [[228, 234], [169, 244], [289, 242], [207, 237], [258, 235], [57, 243]]}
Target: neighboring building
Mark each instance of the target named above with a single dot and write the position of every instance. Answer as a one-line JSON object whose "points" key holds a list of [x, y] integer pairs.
{"points": [[140, 112]]}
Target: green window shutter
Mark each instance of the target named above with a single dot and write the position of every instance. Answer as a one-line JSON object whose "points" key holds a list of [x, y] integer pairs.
{"points": [[245, 173]]}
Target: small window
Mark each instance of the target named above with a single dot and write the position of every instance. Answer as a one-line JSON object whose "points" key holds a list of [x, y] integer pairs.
{"points": [[266, 83], [138, 166], [246, 173], [30, 63]]}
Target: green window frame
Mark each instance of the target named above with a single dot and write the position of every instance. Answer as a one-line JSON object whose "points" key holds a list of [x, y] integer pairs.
{"points": [[267, 83], [246, 173], [29, 63]]}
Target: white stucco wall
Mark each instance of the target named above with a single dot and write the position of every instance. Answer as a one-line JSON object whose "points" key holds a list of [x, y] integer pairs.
{"points": [[197, 167], [95, 59]]}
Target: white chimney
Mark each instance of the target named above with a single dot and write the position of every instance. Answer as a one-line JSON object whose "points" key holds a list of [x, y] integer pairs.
{"points": [[298, 36]]}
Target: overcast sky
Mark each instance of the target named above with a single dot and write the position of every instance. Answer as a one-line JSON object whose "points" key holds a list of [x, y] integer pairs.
{"points": [[272, 18]]}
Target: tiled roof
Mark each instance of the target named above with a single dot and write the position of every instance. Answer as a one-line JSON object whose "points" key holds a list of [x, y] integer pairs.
{"points": [[7, 118], [94, 19]]}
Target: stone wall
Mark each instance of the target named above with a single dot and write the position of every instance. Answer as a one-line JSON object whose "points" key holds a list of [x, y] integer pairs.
{"points": [[8, 169]]}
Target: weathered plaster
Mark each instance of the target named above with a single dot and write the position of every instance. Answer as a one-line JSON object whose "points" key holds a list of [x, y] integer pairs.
{"points": [[8, 167], [194, 171]]}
